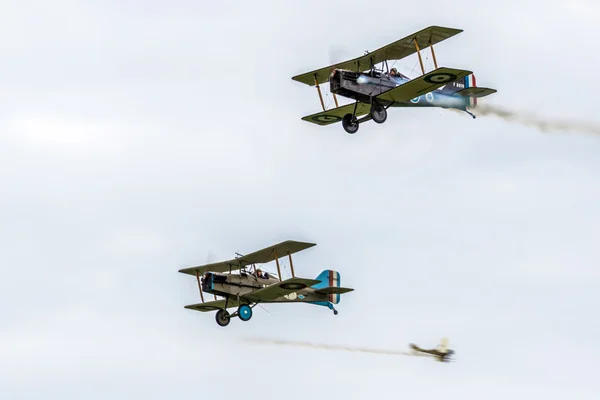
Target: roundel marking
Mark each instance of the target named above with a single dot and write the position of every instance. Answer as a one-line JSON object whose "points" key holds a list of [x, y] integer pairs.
{"points": [[292, 286], [441, 77], [429, 97], [326, 119], [416, 99]]}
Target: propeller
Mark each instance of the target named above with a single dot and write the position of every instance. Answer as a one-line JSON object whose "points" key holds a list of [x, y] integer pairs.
{"points": [[210, 258]]}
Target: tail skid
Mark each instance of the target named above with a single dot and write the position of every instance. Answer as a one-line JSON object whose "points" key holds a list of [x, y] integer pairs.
{"points": [[330, 285]]}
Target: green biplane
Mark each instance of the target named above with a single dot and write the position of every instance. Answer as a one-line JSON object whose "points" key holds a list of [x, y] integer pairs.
{"points": [[374, 90], [249, 286]]}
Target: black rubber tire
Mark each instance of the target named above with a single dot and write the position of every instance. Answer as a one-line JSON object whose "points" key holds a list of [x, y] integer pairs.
{"points": [[378, 113], [222, 318], [349, 123]]}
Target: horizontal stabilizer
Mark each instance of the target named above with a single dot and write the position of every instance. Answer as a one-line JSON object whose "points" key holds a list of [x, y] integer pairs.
{"points": [[423, 84], [334, 115], [212, 305], [280, 289], [476, 92], [334, 290]]}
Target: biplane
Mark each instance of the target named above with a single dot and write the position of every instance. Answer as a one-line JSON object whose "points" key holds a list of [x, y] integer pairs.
{"points": [[242, 285], [374, 90], [442, 353]]}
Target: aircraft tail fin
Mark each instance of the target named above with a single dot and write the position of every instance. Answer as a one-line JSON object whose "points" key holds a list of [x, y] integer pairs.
{"points": [[443, 346], [471, 82], [330, 283], [467, 87], [468, 81]]}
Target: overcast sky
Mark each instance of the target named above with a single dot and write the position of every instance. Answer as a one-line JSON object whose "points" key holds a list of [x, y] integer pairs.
{"points": [[141, 137]]}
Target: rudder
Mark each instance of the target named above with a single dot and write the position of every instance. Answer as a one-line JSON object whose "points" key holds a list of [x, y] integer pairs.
{"points": [[329, 278], [470, 81]]}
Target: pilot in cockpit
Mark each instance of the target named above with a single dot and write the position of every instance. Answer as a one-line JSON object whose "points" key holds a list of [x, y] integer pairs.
{"points": [[394, 73], [260, 274]]}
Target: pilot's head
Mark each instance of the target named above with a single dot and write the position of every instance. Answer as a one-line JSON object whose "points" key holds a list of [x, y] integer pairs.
{"points": [[394, 72], [259, 272]]}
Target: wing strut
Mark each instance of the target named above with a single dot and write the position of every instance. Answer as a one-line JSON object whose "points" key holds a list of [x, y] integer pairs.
{"points": [[276, 255], [322, 104], [419, 54], [289, 255], [199, 286], [433, 54]]}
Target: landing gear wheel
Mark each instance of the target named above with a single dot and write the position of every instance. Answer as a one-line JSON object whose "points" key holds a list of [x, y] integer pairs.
{"points": [[349, 123], [222, 317], [245, 312], [378, 113], [335, 312]]}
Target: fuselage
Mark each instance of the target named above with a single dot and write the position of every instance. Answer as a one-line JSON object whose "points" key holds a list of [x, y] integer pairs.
{"points": [[244, 284], [362, 86]]}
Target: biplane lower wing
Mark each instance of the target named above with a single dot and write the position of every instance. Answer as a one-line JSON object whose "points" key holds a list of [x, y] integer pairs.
{"points": [[476, 92], [334, 115], [279, 289], [213, 305], [334, 290], [423, 84]]}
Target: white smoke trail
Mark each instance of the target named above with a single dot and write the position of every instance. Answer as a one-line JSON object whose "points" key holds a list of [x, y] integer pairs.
{"points": [[539, 123], [330, 347]]}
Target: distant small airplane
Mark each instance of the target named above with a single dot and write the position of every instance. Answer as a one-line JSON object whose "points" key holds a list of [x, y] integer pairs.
{"points": [[442, 353]]}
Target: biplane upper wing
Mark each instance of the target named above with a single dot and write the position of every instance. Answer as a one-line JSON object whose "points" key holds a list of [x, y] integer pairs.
{"points": [[393, 51], [279, 289], [334, 115], [475, 91], [213, 305], [258, 257], [423, 84]]}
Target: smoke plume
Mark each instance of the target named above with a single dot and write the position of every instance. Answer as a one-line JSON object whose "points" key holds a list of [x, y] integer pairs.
{"points": [[539, 123], [329, 347]]}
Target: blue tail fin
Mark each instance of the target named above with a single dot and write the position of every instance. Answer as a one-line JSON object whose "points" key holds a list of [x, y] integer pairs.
{"points": [[329, 278]]}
